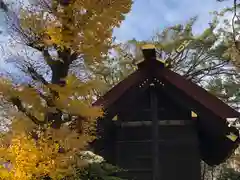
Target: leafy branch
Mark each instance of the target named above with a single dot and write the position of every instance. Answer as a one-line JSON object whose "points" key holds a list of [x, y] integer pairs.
{"points": [[235, 16]]}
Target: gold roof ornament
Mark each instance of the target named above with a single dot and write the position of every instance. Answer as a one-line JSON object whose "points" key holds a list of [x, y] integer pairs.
{"points": [[153, 48], [148, 46], [162, 61], [193, 114], [115, 118], [232, 136]]}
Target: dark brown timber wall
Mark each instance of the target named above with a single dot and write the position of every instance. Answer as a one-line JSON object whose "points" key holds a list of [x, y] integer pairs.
{"points": [[176, 155]]}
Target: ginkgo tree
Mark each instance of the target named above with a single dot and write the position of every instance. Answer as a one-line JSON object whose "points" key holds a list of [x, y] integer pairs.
{"points": [[55, 118], [53, 153], [65, 32]]}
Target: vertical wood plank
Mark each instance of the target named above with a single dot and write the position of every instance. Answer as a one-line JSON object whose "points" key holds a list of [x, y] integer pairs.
{"points": [[154, 118]]}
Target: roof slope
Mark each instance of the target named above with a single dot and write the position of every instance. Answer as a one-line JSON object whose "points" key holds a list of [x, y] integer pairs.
{"points": [[153, 68], [212, 111]]}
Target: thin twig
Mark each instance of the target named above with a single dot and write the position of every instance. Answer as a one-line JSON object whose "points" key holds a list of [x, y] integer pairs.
{"points": [[233, 26]]}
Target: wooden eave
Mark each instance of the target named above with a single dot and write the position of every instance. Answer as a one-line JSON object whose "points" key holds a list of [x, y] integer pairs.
{"points": [[118, 90], [214, 111], [195, 92]]}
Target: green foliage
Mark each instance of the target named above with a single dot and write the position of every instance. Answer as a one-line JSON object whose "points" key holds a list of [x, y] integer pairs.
{"points": [[229, 174], [100, 171], [230, 31], [96, 171], [204, 61]]}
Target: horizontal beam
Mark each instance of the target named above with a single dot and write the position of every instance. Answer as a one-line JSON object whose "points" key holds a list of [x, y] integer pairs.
{"points": [[139, 170], [160, 123], [181, 140]]}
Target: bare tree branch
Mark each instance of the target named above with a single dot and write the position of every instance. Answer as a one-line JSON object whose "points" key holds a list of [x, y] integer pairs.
{"points": [[233, 25], [18, 103]]}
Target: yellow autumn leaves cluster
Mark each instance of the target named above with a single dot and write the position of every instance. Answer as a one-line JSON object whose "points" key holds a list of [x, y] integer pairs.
{"points": [[30, 158], [75, 98], [84, 26]]}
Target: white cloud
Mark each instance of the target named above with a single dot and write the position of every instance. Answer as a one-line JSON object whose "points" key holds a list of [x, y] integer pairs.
{"points": [[149, 15]]}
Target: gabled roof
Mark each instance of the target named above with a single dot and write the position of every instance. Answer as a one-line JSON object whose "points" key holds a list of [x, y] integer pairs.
{"points": [[194, 91], [214, 130]]}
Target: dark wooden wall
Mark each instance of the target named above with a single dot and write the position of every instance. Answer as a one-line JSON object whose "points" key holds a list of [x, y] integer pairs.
{"points": [[178, 152]]}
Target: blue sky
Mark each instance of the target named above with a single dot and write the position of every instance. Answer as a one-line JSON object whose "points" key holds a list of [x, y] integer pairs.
{"points": [[148, 16]]}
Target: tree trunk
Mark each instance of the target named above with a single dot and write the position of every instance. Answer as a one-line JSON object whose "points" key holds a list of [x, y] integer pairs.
{"points": [[59, 73]]}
